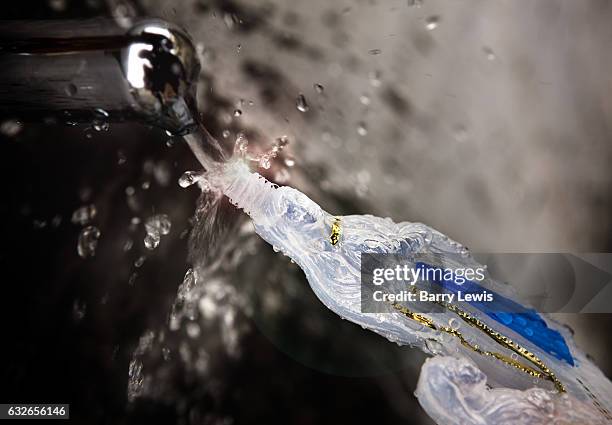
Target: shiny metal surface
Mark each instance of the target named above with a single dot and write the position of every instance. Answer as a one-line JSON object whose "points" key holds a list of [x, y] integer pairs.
{"points": [[160, 66], [63, 71]]}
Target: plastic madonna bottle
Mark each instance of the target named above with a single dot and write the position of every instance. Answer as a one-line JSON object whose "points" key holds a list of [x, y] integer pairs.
{"points": [[510, 366]]}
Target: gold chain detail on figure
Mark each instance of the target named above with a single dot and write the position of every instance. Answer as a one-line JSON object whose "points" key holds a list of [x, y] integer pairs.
{"points": [[336, 232], [542, 371]]}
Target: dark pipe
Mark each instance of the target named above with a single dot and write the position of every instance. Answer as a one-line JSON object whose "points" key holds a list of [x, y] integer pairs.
{"points": [[79, 71]]}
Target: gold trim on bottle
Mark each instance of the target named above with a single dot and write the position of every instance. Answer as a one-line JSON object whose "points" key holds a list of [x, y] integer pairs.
{"points": [[540, 371]]}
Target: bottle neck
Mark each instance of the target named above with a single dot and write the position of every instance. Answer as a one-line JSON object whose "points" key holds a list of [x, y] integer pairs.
{"points": [[245, 189]]}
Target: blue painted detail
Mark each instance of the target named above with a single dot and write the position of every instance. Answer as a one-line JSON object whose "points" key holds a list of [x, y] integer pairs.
{"points": [[524, 321]]}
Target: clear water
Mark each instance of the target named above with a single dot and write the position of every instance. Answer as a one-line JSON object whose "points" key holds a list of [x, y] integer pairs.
{"points": [[88, 241], [156, 226]]}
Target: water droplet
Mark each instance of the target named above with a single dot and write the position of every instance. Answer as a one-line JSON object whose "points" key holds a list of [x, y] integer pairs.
{"points": [[282, 176], [145, 343], [188, 284], [237, 112], [39, 224], [301, 103], [159, 223], [10, 128], [289, 161], [170, 143], [56, 221], [264, 162], [432, 22], [362, 129], [135, 380], [226, 134], [121, 158], [79, 308], [489, 53], [453, 323], [318, 88], [166, 353], [139, 262], [231, 20], [151, 240], [84, 215], [57, 5], [241, 145], [128, 245], [280, 143], [374, 78], [101, 113], [161, 172], [189, 178], [88, 242], [415, 3], [100, 121], [145, 185], [364, 99], [70, 89], [193, 330], [156, 226], [374, 52], [238, 48]]}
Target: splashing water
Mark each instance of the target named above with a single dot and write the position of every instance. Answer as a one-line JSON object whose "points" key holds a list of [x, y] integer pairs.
{"points": [[432, 22], [362, 129], [84, 215], [156, 227], [10, 128], [135, 379], [264, 160], [301, 103], [328, 249], [88, 241], [189, 178], [100, 121]]}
